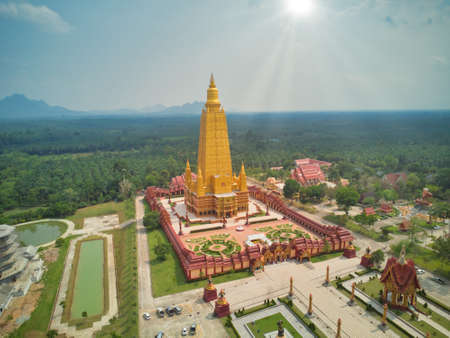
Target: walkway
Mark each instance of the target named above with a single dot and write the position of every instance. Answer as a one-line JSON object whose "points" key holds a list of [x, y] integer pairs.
{"points": [[145, 296], [414, 332], [241, 323], [64, 328]]}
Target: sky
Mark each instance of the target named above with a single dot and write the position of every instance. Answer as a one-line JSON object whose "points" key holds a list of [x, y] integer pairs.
{"points": [[267, 55]]}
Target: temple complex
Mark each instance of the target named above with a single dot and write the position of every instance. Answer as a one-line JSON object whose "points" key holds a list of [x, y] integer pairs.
{"points": [[215, 190], [308, 171], [400, 282]]}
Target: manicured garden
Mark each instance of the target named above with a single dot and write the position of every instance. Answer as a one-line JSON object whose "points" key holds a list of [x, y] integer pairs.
{"points": [[269, 324], [168, 276], [126, 323], [40, 232], [325, 257], [40, 318], [88, 289], [283, 232], [215, 245], [125, 211]]}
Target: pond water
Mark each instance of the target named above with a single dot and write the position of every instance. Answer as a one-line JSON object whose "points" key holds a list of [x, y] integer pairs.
{"points": [[88, 293], [40, 233]]}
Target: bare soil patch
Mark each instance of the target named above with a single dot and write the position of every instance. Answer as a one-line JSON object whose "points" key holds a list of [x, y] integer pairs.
{"points": [[50, 255], [20, 306]]}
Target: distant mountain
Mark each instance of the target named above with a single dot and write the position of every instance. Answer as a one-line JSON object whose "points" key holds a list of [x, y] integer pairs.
{"points": [[19, 106], [187, 108]]}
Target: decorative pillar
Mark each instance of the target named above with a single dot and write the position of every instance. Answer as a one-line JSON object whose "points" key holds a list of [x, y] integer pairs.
{"points": [[246, 217], [327, 278], [352, 298], [310, 305], [267, 208], [338, 333], [383, 320], [291, 293], [224, 222]]}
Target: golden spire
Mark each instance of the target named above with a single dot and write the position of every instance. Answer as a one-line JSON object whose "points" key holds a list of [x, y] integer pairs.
{"points": [[402, 255], [242, 179], [211, 81], [187, 175], [187, 165]]}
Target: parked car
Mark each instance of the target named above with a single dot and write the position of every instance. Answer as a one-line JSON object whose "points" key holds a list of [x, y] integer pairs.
{"points": [[160, 334], [160, 312], [436, 227], [420, 271], [178, 309], [170, 311], [193, 329], [184, 332], [146, 316]]}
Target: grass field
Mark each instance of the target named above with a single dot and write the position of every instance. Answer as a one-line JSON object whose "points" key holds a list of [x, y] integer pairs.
{"points": [[344, 221], [40, 232], [269, 324], [325, 257], [124, 209], [425, 258], [168, 277], [40, 318], [126, 323], [16, 211], [88, 293]]}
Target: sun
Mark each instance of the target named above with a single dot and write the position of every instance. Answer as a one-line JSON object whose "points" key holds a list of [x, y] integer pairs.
{"points": [[299, 7]]}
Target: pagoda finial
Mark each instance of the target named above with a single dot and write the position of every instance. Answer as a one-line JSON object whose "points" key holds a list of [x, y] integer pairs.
{"points": [[402, 259], [212, 84], [187, 165]]}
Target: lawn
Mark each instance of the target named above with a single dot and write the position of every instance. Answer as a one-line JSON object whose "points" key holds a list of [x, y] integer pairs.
{"points": [[425, 258], [124, 209], [126, 323], [269, 324], [168, 276], [371, 288], [40, 317], [325, 257]]}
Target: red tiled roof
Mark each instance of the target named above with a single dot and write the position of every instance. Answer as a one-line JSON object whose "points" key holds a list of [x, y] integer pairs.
{"points": [[369, 211], [402, 274], [394, 178]]}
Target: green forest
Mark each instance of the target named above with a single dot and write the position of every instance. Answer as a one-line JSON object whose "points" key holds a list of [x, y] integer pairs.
{"points": [[52, 167]]}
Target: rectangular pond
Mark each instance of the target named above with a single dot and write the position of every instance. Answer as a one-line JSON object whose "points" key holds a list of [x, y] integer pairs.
{"points": [[88, 292]]}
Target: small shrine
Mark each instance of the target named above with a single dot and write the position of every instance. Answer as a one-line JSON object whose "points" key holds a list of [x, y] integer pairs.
{"points": [[222, 307], [369, 211], [280, 329], [210, 291], [366, 259], [426, 198], [386, 208], [400, 282], [404, 225], [350, 251]]}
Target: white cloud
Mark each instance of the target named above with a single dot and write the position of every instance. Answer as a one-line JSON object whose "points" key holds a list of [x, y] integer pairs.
{"points": [[43, 16]]}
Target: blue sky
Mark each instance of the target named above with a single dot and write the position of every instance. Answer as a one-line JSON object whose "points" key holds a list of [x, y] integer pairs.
{"points": [[338, 55]]}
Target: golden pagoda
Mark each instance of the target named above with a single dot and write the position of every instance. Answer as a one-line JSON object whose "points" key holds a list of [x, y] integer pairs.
{"points": [[216, 190]]}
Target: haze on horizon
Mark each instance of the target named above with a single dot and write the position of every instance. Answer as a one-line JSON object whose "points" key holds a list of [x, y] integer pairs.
{"points": [[266, 55]]}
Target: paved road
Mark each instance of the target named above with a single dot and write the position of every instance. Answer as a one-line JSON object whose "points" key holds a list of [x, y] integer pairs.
{"points": [[144, 281]]}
